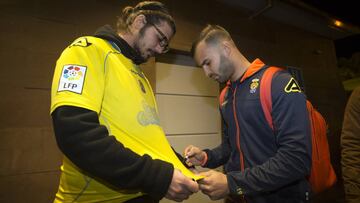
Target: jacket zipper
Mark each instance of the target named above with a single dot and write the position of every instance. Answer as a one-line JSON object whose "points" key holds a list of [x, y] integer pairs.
{"points": [[238, 132]]}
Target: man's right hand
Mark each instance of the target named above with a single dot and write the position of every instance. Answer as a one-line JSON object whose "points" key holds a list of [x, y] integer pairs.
{"points": [[194, 155], [181, 187]]}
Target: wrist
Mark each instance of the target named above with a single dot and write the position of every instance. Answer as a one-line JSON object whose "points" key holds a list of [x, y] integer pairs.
{"points": [[205, 159]]}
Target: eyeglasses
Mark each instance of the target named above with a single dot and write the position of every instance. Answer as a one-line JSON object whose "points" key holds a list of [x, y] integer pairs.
{"points": [[163, 40]]}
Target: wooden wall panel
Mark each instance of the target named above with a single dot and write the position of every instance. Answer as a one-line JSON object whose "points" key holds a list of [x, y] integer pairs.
{"points": [[178, 79], [188, 114], [188, 110]]}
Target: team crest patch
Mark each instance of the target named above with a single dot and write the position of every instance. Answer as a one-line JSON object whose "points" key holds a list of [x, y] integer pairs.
{"points": [[254, 85], [292, 86], [72, 78]]}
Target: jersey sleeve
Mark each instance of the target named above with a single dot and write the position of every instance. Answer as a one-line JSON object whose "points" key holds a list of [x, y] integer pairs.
{"points": [[79, 77]]}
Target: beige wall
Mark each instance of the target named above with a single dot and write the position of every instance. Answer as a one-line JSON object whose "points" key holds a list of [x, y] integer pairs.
{"points": [[33, 34], [188, 109]]}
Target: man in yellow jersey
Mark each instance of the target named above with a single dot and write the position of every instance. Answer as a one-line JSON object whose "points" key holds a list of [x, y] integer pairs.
{"points": [[105, 116]]}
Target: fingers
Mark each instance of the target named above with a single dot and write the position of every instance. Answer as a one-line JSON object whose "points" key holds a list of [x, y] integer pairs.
{"points": [[192, 186], [188, 162], [193, 155], [206, 188], [206, 174], [204, 184], [179, 194], [189, 151], [214, 184], [181, 187]]}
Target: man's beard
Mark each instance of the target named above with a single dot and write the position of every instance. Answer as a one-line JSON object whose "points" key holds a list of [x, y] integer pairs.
{"points": [[137, 45], [139, 56], [226, 68]]}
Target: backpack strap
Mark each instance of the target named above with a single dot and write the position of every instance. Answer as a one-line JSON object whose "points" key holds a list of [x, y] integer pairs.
{"points": [[265, 93]]}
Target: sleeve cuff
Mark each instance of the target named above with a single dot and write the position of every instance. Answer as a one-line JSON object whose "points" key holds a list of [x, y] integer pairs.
{"points": [[161, 180], [204, 161], [234, 189]]}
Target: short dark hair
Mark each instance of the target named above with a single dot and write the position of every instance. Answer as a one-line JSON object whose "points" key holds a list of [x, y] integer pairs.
{"points": [[211, 34], [153, 11]]}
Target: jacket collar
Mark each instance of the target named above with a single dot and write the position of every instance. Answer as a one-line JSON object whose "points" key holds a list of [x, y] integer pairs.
{"points": [[254, 67]]}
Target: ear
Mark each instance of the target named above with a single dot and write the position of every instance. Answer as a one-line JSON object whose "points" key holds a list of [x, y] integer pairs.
{"points": [[226, 48], [139, 22]]}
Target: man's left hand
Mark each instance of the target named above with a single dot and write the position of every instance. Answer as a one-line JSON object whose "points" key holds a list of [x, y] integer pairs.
{"points": [[214, 184]]}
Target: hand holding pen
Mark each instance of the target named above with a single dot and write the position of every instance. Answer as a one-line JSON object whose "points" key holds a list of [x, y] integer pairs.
{"points": [[194, 156]]}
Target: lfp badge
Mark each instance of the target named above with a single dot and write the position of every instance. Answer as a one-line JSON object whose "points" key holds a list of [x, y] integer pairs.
{"points": [[72, 78], [254, 85]]}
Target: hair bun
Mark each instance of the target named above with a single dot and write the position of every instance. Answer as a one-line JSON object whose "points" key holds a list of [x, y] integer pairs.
{"points": [[151, 6], [127, 11]]}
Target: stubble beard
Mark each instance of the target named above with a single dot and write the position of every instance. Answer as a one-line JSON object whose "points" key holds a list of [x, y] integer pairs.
{"points": [[226, 68], [138, 44]]}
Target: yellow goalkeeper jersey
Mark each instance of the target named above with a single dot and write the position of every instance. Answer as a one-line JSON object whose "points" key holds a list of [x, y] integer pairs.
{"points": [[92, 73]]}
